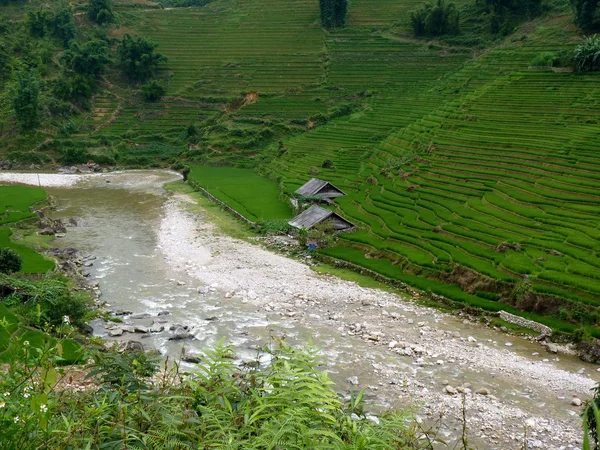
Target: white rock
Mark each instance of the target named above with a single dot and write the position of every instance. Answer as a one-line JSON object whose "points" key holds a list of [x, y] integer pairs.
{"points": [[508, 344], [352, 380], [450, 390], [471, 339], [576, 401]]}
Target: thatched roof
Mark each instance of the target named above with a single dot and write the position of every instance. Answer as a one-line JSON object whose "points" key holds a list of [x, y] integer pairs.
{"points": [[315, 214], [319, 188]]}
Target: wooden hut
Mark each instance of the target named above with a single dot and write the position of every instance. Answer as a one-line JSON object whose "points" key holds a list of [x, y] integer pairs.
{"points": [[315, 214], [319, 188]]}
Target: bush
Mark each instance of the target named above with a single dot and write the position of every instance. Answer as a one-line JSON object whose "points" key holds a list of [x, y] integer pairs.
{"points": [[587, 55], [436, 19], [328, 164], [10, 261], [153, 90], [100, 11], [138, 58], [544, 59]]}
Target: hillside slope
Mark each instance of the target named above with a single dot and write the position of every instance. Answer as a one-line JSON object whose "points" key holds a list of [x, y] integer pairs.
{"points": [[469, 174]]}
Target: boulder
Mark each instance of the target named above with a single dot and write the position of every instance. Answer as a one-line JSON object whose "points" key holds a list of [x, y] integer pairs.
{"points": [[576, 401], [191, 358], [133, 347], [115, 332], [181, 334], [352, 380], [482, 391], [450, 390], [156, 328], [140, 329]]}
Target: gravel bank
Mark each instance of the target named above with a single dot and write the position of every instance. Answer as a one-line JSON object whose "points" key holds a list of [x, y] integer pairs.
{"points": [[414, 352], [42, 179]]}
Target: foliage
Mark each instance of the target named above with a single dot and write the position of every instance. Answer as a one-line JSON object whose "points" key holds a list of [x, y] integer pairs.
{"points": [[333, 13], [153, 90], [89, 58], [436, 19], [328, 164], [587, 14], [10, 261], [587, 55], [544, 59], [138, 58], [100, 11], [287, 404], [270, 227], [591, 419], [64, 25], [26, 100]]}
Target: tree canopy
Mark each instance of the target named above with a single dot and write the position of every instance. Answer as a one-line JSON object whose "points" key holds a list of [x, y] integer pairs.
{"points": [[10, 260], [100, 11], [138, 58], [587, 14], [26, 100], [89, 58], [436, 19], [333, 13]]}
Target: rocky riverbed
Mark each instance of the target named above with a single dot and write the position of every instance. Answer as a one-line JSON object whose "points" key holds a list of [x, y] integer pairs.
{"points": [[173, 274], [416, 353]]}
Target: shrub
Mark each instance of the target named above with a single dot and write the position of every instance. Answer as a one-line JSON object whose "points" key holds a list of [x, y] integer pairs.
{"points": [[313, 171], [138, 58], [544, 59], [153, 90], [328, 164], [100, 11], [10, 261], [587, 55], [436, 19], [274, 227]]}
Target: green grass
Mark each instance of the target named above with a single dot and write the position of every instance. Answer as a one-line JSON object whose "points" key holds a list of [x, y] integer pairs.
{"points": [[33, 262], [16, 202], [253, 196]]}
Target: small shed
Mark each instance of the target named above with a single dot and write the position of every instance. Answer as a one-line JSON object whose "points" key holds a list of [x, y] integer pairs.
{"points": [[315, 214], [319, 188]]}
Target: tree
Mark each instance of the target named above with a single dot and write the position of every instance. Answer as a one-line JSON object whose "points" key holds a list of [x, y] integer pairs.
{"points": [[38, 22], [436, 19], [186, 172], [138, 58], [26, 100], [100, 11], [87, 59], [153, 90], [587, 14], [10, 261], [333, 13], [64, 25]]}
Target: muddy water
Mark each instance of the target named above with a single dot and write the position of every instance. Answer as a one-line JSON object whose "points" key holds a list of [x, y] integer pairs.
{"points": [[123, 214]]}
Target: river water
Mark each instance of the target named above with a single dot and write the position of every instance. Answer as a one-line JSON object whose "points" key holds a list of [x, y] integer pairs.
{"points": [[123, 215]]}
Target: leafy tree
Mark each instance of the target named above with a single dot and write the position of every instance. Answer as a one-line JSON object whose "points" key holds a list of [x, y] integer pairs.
{"points": [[64, 25], [38, 22], [100, 11], [138, 58], [10, 260], [77, 87], [333, 13], [26, 100], [587, 55], [5, 59], [153, 90], [87, 59], [436, 19], [587, 14]]}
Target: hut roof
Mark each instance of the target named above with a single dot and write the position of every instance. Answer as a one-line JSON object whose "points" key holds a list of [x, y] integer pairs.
{"points": [[314, 215], [312, 188]]}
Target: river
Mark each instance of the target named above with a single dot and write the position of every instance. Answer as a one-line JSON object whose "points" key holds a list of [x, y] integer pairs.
{"points": [[154, 254]]}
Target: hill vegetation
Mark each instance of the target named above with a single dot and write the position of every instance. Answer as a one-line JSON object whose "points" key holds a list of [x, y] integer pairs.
{"points": [[469, 160]]}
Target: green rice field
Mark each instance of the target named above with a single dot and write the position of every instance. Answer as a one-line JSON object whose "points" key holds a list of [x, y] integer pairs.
{"points": [[253, 196], [15, 205], [469, 174]]}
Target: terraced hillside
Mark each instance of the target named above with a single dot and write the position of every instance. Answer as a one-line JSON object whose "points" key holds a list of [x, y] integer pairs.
{"points": [[470, 175]]}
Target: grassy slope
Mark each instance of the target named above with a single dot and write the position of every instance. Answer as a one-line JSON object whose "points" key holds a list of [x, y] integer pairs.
{"points": [[15, 205]]}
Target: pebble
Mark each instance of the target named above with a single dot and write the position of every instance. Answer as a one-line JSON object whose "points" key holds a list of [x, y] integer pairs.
{"points": [[508, 344], [482, 391], [576, 401], [471, 339], [450, 390], [352, 380]]}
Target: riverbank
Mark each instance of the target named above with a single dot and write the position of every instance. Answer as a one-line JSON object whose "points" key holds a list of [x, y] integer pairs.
{"points": [[403, 354], [421, 338]]}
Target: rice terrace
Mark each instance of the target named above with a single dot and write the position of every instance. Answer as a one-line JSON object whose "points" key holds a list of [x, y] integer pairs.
{"points": [[445, 153]]}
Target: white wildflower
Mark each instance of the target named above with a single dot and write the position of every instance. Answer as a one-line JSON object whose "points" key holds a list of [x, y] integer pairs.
{"points": [[43, 408], [7, 394], [66, 320], [2, 405], [26, 394], [25, 343], [16, 419]]}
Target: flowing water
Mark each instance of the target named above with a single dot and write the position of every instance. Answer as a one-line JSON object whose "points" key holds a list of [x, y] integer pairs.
{"points": [[122, 214]]}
